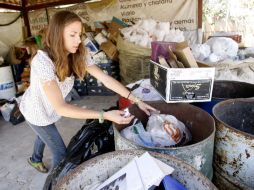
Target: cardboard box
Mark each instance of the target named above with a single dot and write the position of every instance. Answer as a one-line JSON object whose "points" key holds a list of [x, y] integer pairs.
{"points": [[236, 37], [182, 84], [110, 50], [114, 28], [184, 55], [203, 64]]}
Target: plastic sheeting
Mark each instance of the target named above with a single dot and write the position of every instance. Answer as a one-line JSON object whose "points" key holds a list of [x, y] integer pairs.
{"points": [[10, 34], [242, 71]]}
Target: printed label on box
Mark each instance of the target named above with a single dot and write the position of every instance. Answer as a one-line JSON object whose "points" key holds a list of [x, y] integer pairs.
{"points": [[190, 89]]}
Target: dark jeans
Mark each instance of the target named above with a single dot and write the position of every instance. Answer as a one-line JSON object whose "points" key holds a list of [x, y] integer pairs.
{"points": [[50, 136]]}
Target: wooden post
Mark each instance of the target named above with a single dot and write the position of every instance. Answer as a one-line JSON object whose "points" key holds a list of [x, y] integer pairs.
{"points": [[200, 7], [25, 17]]}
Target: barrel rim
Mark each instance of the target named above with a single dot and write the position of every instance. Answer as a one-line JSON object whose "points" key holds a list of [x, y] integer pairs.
{"points": [[166, 148], [233, 81], [230, 101], [180, 147], [96, 159], [230, 81]]}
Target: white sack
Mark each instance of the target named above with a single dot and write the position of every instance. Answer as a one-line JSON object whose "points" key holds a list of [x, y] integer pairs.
{"points": [[200, 51], [223, 46]]}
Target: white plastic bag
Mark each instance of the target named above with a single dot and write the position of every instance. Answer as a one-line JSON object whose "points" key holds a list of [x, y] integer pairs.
{"points": [[167, 131], [223, 46], [136, 133], [145, 91], [6, 111], [200, 51]]}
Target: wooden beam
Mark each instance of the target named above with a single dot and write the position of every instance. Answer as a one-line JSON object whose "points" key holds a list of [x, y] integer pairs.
{"points": [[200, 13], [25, 17], [52, 4], [12, 7]]}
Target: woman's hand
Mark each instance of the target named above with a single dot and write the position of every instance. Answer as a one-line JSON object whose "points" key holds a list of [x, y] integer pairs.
{"points": [[145, 107], [117, 116]]}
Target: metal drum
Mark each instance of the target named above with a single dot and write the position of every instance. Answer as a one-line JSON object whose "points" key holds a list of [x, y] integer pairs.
{"points": [[234, 144], [224, 90], [199, 153], [97, 170]]}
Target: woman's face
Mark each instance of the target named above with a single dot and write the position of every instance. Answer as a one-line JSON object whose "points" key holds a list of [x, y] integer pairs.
{"points": [[72, 36]]}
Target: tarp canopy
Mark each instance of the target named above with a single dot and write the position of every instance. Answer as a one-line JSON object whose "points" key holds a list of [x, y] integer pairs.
{"points": [[31, 4], [182, 14]]}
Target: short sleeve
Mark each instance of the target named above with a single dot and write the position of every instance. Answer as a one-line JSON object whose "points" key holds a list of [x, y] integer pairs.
{"points": [[43, 67], [89, 60]]}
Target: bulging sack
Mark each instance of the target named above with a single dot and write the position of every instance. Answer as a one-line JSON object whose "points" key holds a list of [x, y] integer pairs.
{"points": [[133, 61]]}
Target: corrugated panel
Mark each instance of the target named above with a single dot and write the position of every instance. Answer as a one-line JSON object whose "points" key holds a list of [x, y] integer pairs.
{"points": [[37, 2], [29, 2], [11, 2]]}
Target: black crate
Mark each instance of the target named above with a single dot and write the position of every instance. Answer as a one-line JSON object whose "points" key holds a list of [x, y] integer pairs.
{"points": [[91, 81], [99, 91], [80, 87], [111, 68]]}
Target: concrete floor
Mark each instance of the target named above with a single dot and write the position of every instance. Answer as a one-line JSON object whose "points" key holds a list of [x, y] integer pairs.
{"points": [[16, 144]]}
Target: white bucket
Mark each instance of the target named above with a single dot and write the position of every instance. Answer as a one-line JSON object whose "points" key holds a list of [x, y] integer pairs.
{"points": [[7, 85]]}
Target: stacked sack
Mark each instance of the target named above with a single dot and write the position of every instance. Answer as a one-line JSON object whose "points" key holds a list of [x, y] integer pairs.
{"points": [[135, 47]]}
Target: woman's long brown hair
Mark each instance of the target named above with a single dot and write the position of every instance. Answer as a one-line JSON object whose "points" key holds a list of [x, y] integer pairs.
{"points": [[53, 44]]}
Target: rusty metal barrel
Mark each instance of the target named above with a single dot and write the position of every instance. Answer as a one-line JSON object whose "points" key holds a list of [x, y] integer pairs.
{"points": [[224, 90], [234, 144], [198, 153], [95, 171]]}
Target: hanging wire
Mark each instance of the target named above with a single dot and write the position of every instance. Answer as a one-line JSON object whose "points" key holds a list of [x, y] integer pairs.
{"points": [[12, 21]]}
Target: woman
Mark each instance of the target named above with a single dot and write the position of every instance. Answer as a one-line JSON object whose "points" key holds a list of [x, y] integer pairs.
{"points": [[53, 70]]}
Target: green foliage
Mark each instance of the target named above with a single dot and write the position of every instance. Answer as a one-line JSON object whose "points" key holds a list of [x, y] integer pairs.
{"points": [[215, 10]]}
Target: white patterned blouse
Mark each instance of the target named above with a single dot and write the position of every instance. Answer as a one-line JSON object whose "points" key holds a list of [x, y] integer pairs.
{"points": [[34, 104]]}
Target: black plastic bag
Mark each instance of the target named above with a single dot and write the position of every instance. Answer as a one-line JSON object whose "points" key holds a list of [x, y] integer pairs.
{"points": [[91, 140], [11, 113], [16, 116]]}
